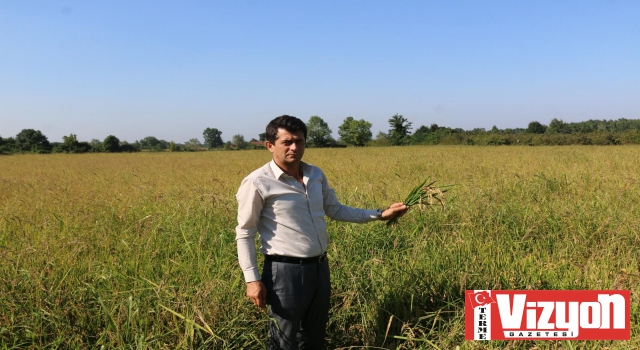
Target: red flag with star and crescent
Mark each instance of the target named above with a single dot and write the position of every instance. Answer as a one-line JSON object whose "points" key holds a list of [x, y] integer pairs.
{"points": [[480, 298]]}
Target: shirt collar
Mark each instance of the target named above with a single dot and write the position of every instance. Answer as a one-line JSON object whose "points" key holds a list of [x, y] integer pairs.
{"points": [[277, 172]]}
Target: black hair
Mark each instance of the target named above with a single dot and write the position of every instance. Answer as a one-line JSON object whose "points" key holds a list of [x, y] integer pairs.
{"points": [[287, 122]]}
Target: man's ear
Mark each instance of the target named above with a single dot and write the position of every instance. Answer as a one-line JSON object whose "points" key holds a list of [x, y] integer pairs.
{"points": [[269, 146]]}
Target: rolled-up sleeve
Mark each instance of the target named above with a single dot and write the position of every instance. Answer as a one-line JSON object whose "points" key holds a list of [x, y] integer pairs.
{"points": [[337, 211], [250, 204]]}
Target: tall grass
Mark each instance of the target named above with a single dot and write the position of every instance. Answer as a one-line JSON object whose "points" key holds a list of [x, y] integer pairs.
{"points": [[138, 250]]}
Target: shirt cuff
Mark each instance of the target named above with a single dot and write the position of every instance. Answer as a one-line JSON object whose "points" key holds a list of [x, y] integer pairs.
{"points": [[251, 275], [373, 215]]}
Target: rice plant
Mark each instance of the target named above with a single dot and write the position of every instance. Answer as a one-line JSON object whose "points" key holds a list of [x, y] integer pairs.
{"points": [[424, 195], [122, 251]]}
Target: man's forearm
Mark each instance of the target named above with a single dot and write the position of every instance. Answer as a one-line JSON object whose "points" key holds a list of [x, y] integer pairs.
{"points": [[247, 258], [350, 214]]}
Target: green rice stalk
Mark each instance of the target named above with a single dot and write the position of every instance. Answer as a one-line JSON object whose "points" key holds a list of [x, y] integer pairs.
{"points": [[424, 195]]}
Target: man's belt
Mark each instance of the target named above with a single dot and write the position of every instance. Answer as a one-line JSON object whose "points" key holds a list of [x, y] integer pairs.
{"points": [[291, 260]]}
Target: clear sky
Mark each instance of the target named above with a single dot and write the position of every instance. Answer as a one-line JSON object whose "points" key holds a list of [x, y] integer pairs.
{"points": [[170, 69]]}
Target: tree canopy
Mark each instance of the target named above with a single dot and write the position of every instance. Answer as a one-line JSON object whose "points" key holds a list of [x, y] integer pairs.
{"points": [[212, 138], [70, 144], [111, 144], [238, 141], [152, 143], [536, 128], [30, 140], [318, 132], [557, 126], [421, 135], [355, 132], [399, 133], [193, 145]]}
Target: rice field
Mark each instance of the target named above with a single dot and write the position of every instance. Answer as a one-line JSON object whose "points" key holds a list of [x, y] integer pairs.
{"points": [[137, 251]]}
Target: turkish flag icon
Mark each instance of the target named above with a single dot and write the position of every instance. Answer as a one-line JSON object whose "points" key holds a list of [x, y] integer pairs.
{"points": [[480, 298]]}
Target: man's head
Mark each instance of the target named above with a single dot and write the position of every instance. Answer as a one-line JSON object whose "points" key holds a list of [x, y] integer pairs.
{"points": [[286, 140], [286, 122]]}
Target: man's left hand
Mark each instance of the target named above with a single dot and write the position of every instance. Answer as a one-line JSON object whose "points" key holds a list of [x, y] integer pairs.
{"points": [[394, 210]]}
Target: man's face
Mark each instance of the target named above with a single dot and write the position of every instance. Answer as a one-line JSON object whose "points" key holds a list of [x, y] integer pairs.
{"points": [[288, 147]]}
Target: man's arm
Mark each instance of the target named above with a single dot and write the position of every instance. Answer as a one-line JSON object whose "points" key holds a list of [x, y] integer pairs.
{"points": [[250, 204]]}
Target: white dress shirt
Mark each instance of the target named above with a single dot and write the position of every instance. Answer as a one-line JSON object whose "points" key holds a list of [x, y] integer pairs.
{"points": [[288, 215]]}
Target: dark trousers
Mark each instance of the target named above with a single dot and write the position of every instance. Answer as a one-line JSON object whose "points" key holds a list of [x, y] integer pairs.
{"points": [[298, 295]]}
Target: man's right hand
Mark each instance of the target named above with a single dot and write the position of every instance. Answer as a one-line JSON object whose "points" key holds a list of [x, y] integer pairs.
{"points": [[257, 292]]}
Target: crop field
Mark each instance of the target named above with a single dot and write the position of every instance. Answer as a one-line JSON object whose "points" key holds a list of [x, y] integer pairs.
{"points": [[137, 251]]}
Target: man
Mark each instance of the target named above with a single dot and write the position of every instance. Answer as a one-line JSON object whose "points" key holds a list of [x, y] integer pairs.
{"points": [[286, 201]]}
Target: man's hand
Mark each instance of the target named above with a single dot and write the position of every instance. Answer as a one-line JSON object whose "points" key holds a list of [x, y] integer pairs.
{"points": [[394, 210], [257, 292]]}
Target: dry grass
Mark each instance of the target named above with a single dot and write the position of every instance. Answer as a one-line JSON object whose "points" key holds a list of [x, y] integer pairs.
{"points": [[137, 250]]}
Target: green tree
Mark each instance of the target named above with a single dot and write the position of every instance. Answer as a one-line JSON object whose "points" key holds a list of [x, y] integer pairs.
{"points": [[111, 144], [586, 127], [173, 147], [193, 145], [83, 147], [128, 147], [70, 144], [7, 146], [536, 128], [238, 141], [381, 140], [152, 143], [212, 138], [421, 135], [96, 145], [262, 137], [318, 132], [355, 132], [399, 133], [557, 126], [29, 140]]}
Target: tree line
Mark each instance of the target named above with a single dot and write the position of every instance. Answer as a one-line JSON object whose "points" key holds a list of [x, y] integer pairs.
{"points": [[352, 132]]}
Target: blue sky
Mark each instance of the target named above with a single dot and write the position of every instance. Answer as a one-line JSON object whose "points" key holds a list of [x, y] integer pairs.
{"points": [[171, 69]]}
